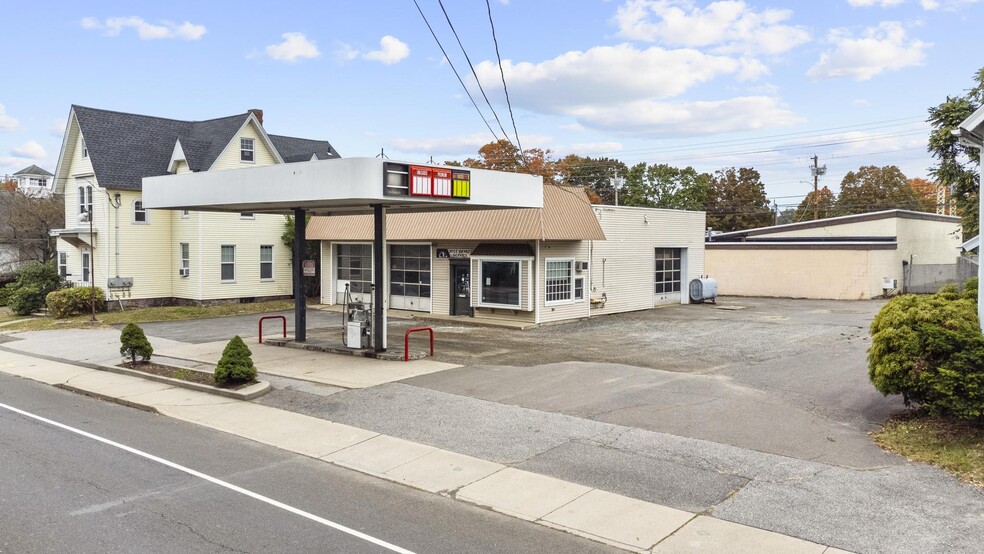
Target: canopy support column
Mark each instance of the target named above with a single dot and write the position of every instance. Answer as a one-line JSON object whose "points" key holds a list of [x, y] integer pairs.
{"points": [[300, 297], [379, 277]]}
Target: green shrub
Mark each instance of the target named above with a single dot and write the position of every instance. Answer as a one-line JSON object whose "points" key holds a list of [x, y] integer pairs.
{"points": [[5, 292], [236, 364], [74, 301], [26, 300], [970, 289], [930, 350], [34, 281], [133, 343]]}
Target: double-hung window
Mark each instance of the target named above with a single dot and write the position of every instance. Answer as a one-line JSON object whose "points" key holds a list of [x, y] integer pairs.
{"points": [[85, 149], [266, 262], [560, 280], [63, 264], [86, 266], [228, 271], [85, 199], [246, 150], [185, 259], [140, 213]]}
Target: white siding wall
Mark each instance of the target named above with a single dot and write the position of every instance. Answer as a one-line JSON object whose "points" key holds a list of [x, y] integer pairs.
{"points": [[230, 158], [623, 266], [441, 277]]}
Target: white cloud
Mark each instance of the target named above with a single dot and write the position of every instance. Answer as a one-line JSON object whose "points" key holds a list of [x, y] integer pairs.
{"points": [[678, 119], [391, 50], [294, 47], [950, 5], [113, 26], [8, 122], [879, 3], [876, 50], [30, 149], [727, 26], [608, 74]]}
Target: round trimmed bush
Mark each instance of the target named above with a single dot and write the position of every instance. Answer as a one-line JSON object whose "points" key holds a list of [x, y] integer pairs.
{"points": [[930, 350], [74, 301], [133, 343], [236, 364]]}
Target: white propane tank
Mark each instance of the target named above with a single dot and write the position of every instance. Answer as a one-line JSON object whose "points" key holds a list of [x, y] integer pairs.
{"points": [[703, 289]]}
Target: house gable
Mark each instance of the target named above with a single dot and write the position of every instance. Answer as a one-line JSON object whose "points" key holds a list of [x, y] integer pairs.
{"points": [[264, 152]]}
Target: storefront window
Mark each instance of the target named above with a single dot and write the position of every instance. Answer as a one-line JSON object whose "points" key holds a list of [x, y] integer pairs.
{"points": [[500, 282]]}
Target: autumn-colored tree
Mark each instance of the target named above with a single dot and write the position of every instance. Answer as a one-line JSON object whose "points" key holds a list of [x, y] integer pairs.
{"points": [[872, 189], [594, 175], [8, 185], [665, 186], [736, 200], [957, 165], [823, 200], [503, 155], [926, 192]]}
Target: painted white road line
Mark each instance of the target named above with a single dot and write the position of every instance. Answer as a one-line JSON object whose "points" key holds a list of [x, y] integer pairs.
{"points": [[221, 483]]}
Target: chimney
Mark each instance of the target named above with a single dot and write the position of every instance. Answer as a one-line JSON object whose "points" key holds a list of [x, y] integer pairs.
{"points": [[258, 113]]}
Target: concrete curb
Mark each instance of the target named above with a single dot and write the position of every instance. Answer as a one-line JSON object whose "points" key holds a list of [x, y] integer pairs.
{"points": [[246, 393]]}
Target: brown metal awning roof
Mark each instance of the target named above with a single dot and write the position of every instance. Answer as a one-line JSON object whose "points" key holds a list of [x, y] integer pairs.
{"points": [[566, 215]]}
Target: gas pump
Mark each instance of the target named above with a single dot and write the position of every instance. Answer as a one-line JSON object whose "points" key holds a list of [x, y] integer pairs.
{"points": [[356, 321]]}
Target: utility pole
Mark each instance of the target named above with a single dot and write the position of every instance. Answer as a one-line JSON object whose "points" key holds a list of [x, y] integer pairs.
{"points": [[614, 181], [817, 172]]}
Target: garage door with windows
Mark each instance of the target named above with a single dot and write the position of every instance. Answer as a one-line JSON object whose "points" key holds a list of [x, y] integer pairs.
{"points": [[410, 277], [668, 275]]}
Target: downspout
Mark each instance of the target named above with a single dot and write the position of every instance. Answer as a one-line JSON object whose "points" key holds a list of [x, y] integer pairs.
{"points": [[199, 216]]}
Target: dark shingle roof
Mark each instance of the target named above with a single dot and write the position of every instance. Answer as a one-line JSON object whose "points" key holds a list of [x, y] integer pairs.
{"points": [[124, 148], [34, 170], [294, 149]]}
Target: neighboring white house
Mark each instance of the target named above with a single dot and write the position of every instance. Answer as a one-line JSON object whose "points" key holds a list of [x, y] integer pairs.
{"points": [[567, 261], [158, 257], [841, 258], [34, 181]]}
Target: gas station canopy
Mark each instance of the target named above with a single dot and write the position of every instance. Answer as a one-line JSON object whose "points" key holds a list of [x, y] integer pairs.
{"points": [[343, 185]]}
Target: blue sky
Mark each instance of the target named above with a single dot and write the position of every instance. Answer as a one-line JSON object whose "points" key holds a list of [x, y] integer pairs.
{"points": [[765, 84]]}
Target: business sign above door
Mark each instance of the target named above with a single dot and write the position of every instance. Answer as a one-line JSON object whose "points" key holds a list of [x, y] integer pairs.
{"points": [[434, 182]]}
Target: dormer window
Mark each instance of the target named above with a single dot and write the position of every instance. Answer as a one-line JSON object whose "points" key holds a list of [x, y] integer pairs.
{"points": [[85, 149], [246, 150]]}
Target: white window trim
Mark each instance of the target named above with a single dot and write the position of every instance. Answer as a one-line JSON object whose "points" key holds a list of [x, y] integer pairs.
{"points": [[583, 290], [134, 210], [221, 263], [184, 263], [85, 149], [247, 215], [272, 262], [85, 198], [63, 265], [252, 150], [86, 255], [185, 214], [545, 278], [335, 266], [481, 280]]}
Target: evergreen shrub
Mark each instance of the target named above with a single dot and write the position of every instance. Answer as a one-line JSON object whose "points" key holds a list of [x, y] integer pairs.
{"points": [[74, 301], [133, 343], [930, 349], [236, 364]]}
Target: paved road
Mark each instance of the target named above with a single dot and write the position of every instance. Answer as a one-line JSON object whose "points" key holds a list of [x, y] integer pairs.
{"points": [[62, 492]]}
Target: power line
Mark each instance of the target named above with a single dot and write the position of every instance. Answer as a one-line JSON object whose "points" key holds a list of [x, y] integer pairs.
{"points": [[472, 67], [456, 74], [502, 74]]}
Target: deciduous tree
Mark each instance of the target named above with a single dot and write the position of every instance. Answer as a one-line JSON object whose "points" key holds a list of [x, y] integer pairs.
{"points": [[823, 200], [872, 189], [737, 200], [26, 222]]}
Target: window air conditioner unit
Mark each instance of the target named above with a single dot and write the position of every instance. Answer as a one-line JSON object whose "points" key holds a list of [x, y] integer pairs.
{"points": [[184, 272], [580, 266]]}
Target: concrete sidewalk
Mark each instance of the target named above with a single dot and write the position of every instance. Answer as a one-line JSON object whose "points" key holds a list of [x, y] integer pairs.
{"points": [[624, 522]]}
